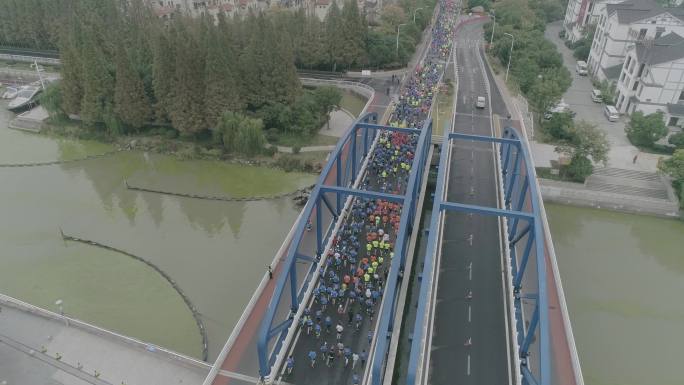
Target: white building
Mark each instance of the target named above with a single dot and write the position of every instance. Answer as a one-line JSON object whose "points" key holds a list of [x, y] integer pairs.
{"points": [[166, 8], [623, 24], [579, 14], [652, 78]]}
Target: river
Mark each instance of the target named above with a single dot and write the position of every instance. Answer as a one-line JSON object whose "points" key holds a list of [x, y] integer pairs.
{"points": [[623, 277], [215, 251]]}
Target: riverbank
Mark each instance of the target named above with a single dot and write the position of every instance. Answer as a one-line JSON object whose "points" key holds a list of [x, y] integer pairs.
{"points": [[208, 248]]}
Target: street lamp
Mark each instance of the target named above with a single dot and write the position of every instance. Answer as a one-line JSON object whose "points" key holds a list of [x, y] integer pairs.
{"points": [[59, 304], [414, 14], [510, 54], [491, 40], [398, 28]]}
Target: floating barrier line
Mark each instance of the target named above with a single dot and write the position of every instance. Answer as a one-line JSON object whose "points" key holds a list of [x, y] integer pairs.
{"points": [[195, 313], [55, 162], [217, 197]]}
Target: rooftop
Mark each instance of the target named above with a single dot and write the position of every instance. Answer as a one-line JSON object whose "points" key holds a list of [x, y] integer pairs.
{"points": [[661, 50], [631, 11]]}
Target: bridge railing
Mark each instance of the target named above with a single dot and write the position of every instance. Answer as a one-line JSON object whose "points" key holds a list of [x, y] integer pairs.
{"points": [[322, 216], [526, 241]]}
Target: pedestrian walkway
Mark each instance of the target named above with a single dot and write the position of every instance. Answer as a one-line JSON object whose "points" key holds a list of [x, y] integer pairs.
{"points": [[35, 349], [339, 325]]}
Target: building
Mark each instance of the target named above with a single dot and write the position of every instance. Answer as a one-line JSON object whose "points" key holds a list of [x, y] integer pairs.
{"points": [[652, 78], [622, 25], [166, 8]]}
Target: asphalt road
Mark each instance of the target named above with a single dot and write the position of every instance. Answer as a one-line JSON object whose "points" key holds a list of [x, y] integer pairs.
{"points": [[471, 260]]}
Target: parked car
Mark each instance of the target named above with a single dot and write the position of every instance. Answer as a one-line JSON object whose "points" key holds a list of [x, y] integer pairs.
{"points": [[596, 96], [559, 108], [611, 113], [480, 102], [581, 68]]}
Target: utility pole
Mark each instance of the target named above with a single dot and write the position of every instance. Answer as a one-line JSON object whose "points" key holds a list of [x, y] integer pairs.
{"points": [[510, 55]]}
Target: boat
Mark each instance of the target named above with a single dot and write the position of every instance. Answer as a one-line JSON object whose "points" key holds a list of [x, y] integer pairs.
{"points": [[26, 98], [10, 93]]}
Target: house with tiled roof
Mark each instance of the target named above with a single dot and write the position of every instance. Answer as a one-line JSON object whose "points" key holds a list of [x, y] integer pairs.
{"points": [[624, 24], [652, 78]]}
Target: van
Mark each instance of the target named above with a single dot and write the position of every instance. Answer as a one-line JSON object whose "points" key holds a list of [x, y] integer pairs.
{"points": [[581, 68], [611, 113], [596, 96]]}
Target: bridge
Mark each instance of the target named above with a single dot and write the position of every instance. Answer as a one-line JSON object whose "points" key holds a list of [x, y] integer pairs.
{"points": [[489, 306], [469, 290]]}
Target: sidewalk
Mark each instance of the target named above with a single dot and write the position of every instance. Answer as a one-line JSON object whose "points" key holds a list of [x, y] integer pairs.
{"points": [[24, 337]]}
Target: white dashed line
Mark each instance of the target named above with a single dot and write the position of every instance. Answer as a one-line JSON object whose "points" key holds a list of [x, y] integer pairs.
{"points": [[468, 368]]}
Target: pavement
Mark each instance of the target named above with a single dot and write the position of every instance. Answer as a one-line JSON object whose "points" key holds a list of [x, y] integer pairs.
{"points": [[471, 259], [23, 336]]}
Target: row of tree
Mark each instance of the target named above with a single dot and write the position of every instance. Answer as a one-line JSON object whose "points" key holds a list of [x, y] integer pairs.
{"points": [[123, 68], [536, 65], [31, 23]]}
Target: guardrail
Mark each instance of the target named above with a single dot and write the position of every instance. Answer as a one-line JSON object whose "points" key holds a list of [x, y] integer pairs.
{"points": [[31, 59], [359, 88]]}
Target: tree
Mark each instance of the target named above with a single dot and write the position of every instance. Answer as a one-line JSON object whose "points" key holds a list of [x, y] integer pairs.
{"points": [[97, 83], [226, 130], [222, 92], [677, 140], [548, 88], [353, 34], [238, 133], [392, 15], [187, 113], [52, 100], [333, 37], [645, 130], [674, 166], [586, 141], [250, 138], [163, 73], [559, 126], [130, 102], [579, 168], [328, 99]]}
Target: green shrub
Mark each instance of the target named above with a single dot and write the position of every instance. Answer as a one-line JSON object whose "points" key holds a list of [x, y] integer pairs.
{"points": [[579, 169], [677, 140]]}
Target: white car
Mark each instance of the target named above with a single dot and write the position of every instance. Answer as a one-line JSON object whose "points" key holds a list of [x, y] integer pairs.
{"points": [[480, 102], [611, 113], [581, 68], [596, 96]]}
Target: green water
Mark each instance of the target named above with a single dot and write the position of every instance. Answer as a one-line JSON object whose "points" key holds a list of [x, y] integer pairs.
{"points": [[215, 251], [623, 277]]}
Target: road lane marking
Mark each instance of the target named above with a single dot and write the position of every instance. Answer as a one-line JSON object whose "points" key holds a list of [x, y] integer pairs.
{"points": [[470, 239], [470, 271], [468, 368], [468, 313]]}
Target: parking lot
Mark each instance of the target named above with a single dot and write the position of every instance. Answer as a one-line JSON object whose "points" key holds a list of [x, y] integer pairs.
{"points": [[578, 97]]}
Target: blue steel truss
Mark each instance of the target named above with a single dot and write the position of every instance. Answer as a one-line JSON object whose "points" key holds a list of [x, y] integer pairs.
{"points": [[337, 182], [522, 213]]}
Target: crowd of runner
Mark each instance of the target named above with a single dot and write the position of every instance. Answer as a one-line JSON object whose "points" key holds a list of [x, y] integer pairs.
{"points": [[353, 276]]}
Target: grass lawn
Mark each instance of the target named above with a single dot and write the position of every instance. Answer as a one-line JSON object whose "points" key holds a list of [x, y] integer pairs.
{"points": [[290, 140], [352, 102], [442, 112]]}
